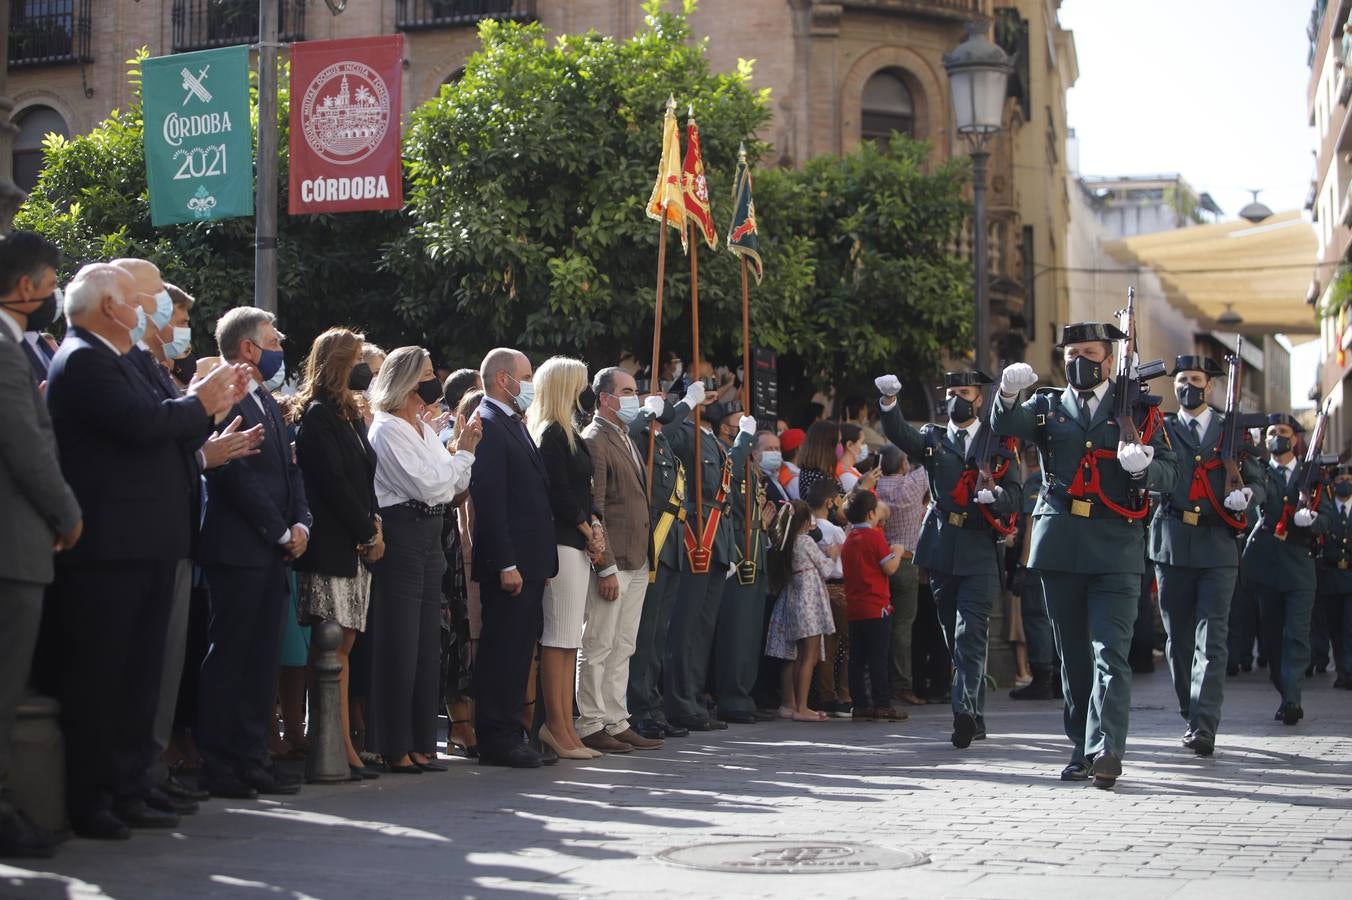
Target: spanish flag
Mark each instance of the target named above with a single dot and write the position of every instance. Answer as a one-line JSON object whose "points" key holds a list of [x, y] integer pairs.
{"points": [[666, 204], [743, 238], [695, 187]]}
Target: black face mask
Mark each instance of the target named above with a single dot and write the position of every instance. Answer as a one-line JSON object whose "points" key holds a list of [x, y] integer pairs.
{"points": [[1189, 395], [1278, 445], [359, 379], [1084, 374], [44, 315], [960, 409], [1343, 489], [185, 368], [815, 534], [586, 401], [429, 391]]}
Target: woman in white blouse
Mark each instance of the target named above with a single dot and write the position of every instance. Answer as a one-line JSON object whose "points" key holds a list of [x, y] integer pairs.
{"points": [[416, 477]]}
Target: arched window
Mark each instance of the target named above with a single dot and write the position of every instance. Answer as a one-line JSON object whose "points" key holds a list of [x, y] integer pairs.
{"points": [[885, 107], [34, 124]]}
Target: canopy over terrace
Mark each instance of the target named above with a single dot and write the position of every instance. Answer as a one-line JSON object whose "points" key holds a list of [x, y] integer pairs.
{"points": [[1262, 271]]}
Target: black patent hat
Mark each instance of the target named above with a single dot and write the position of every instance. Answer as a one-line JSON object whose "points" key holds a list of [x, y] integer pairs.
{"points": [[1286, 419], [1204, 364], [720, 410], [1081, 332], [974, 378]]}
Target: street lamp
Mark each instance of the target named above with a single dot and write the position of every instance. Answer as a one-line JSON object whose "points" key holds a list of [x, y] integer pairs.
{"points": [[978, 75]]}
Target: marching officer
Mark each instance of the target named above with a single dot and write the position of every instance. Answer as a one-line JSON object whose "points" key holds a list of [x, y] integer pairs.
{"points": [[1088, 534], [1279, 565], [1195, 551], [708, 542], [1333, 596], [666, 515], [959, 543]]}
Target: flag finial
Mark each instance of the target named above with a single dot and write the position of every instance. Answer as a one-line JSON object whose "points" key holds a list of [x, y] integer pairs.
{"points": [[671, 103], [690, 111], [741, 152]]}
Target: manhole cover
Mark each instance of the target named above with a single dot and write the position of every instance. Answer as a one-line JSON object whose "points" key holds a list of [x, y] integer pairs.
{"points": [[792, 857]]}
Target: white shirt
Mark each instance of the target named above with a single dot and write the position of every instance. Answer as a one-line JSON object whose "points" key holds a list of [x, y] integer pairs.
{"points": [[971, 430], [832, 536], [849, 478], [1095, 400], [1289, 469], [509, 410], [1203, 420], [414, 465]]}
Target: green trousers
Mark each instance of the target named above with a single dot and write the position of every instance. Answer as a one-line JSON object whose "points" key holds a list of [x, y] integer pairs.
{"points": [[1195, 604], [737, 644], [964, 603]]}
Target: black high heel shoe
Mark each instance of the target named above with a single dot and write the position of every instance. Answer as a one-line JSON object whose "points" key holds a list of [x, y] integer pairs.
{"points": [[411, 769], [468, 752]]}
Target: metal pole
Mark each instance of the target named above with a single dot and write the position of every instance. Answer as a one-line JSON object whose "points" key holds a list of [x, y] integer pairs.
{"points": [[265, 188], [981, 337]]}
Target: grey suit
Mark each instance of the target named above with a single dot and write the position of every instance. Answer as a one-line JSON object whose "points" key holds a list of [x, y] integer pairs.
{"points": [[38, 505]]}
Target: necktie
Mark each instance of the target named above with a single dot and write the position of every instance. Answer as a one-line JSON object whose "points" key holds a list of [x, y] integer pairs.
{"points": [[1196, 430], [35, 360], [1085, 397], [961, 437]]}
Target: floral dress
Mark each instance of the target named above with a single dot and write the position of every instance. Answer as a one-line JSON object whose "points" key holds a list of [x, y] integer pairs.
{"points": [[803, 608]]}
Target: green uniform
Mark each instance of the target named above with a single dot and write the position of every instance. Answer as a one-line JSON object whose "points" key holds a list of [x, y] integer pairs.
{"points": [[645, 666], [1334, 593], [741, 614], [1282, 576], [1196, 557], [1090, 565], [958, 548], [694, 618]]}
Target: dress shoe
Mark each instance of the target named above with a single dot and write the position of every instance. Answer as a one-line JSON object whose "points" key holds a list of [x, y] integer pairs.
{"points": [[892, 714], [518, 756], [980, 733], [228, 787], [910, 698], [606, 743], [20, 838], [637, 741], [1107, 769], [648, 728], [1231, 670], [432, 766], [175, 788], [738, 718], [364, 773], [548, 757], [1076, 771], [1200, 742], [764, 715], [1290, 714], [100, 825], [1040, 688], [158, 799], [964, 729], [271, 781], [698, 724], [139, 814], [547, 739], [672, 731], [863, 714]]}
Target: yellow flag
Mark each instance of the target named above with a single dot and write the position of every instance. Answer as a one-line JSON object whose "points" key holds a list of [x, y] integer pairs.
{"points": [[667, 202]]}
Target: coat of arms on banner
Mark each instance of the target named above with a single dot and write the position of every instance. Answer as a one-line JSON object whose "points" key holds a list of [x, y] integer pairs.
{"points": [[346, 112]]}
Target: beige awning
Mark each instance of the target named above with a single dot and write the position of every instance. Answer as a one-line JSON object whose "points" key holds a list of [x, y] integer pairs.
{"points": [[1262, 271]]}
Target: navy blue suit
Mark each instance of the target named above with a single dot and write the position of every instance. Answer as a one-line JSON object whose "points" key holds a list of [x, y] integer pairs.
{"points": [[252, 502], [119, 443], [513, 526]]}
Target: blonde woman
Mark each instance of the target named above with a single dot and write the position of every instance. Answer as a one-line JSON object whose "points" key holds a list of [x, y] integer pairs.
{"points": [[562, 396]]}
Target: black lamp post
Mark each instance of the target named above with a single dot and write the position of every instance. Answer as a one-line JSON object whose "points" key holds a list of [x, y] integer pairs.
{"points": [[978, 76]]}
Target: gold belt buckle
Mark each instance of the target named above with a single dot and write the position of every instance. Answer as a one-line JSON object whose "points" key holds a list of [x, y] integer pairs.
{"points": [[681, 515], [1190, 517], [957, 519], [1342, 564], [1081, 508]]}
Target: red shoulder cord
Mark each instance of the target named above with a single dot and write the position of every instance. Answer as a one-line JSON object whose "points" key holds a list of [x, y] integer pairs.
{"points": [[1087, 479], [1201, 490], [966, 486], [1288, 509]]}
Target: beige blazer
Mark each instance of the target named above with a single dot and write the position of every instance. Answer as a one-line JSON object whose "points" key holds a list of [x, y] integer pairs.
{"points": [[620, 495]]}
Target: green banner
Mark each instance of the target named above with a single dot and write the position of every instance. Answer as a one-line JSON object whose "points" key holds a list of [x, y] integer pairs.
{"points": [[199, 143]]}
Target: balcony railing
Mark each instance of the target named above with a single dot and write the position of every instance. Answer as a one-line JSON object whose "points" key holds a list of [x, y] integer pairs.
{"points": [[48, 32], [943, 9], [412, 15], [199, 24]]}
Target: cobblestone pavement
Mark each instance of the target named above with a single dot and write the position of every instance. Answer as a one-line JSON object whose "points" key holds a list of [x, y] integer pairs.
{"points": [[1271, 813]]}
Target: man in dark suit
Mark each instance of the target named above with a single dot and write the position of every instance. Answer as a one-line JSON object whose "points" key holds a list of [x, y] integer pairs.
{"points": [[41, 513], [514, 554], [257, 521], [110, 600]]}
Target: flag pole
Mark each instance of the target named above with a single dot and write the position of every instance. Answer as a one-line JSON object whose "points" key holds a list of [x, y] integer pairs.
{"points": [[694, 361], [654, 385], [746, 392]]}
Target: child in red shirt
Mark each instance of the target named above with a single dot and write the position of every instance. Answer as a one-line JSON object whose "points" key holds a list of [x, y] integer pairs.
{"points": [[868, 562]]}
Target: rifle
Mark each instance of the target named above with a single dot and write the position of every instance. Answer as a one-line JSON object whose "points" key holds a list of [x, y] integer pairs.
{"points": [[1312, 470], [1131, 375], [985, 445], [1236, 423]]}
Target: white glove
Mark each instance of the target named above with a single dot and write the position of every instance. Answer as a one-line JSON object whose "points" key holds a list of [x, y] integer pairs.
{"points": [[986, 495], [747, 424], [1238, 499], [1134, 457], [654, 405], [694, 395], [1303, 517], [1016, 377], [888, 385]]}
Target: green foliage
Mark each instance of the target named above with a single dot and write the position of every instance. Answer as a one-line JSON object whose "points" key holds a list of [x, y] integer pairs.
{"points": [[1339, 293], [92, 201]]}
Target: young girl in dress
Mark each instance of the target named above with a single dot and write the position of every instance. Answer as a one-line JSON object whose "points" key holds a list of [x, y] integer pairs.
{"points": [[802, 614]]}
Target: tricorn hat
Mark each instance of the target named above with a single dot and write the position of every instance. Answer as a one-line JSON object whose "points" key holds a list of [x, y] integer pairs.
{"points": [[720, 410], [1090, 331], [974, 378], [1340, 469], [1204, 364], [1286, 419]]}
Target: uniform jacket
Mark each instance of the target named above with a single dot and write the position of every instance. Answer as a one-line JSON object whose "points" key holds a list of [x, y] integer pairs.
{"points": [[665, 467], [1106, 542], [967, 549], [1334, 569], [711, 457], [1287, 564], [1210, 543], [737, 516], [619, 494]]}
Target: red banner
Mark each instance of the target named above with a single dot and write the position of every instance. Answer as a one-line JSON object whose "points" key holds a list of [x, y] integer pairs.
{"points": [[345, 125]]}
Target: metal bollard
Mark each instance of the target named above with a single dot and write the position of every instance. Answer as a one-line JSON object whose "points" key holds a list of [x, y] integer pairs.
{"points": [[37, 777], [327, 760]]}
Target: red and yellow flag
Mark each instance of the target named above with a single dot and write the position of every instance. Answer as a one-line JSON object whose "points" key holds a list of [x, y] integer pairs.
{"points": [[666, 203], [695, 187]]}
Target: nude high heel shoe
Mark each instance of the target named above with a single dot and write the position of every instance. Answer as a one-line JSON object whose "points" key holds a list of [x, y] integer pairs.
{"points": [[546, 737]]}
